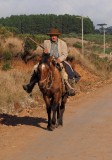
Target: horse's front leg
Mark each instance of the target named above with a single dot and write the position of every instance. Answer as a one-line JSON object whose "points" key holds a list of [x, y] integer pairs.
{"points": [[54, 110], [48, 108], [49, 117]]}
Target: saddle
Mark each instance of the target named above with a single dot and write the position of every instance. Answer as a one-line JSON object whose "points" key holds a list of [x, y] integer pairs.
{"points": [[57, 65]]}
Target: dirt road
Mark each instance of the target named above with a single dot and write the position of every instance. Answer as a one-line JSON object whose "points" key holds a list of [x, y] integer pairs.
{"points": [[86, 134]]}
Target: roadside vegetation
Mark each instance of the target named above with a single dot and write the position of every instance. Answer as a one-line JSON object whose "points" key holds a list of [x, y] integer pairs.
{"points": [[14, 72], [94, 52]]}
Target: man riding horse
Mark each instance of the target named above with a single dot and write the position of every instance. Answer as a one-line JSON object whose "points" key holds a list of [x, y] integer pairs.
{"points": [[58, 49]]}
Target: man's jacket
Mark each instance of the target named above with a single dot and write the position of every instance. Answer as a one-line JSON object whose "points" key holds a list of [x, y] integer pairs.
{"points": [[62, 48]]}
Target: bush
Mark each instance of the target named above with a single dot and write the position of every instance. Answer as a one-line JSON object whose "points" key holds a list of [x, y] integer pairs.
{"points": [[96, 48], [7, 55], [29, 45], [108, 50], [6, 66], [4, 32], [77, 45]]}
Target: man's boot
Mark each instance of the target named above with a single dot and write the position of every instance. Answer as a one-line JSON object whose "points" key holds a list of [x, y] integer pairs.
{"points": [[34, 79], [69, 89]]}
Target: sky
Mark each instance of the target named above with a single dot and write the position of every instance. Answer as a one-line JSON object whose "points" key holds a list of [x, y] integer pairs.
{"points": [[99, 11]]}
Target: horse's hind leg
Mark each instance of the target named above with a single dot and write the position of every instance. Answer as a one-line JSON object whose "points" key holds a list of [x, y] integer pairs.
{"points": [[58, 113], [59, 120], [49, 117], [62, 109]]}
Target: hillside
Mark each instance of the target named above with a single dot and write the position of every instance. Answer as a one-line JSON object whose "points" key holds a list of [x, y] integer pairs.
{"points": [[14, 100]]}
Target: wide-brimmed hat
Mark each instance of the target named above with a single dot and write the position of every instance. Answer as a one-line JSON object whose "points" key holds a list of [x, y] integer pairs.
{"points": [[54, 31]]}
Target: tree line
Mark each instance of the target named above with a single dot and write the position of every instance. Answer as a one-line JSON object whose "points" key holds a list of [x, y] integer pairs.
{"points": [[41, 23]]}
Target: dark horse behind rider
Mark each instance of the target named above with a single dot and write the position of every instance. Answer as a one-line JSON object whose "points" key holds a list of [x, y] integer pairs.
{"points": [[51, 86]]}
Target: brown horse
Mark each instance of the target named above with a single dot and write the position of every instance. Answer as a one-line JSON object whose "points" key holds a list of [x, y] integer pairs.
{"points": [[51, 86]]}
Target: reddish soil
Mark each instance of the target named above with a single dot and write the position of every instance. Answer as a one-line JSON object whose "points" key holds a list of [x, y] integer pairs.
{"points": [[19, 133], [15, 130]]}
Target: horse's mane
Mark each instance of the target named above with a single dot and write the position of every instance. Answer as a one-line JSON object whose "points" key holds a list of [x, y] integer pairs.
{"points": [[45, 58]]}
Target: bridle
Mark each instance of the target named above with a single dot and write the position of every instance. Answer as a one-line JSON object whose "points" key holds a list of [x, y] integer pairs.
{"points": [[47, 78], [47, 82]]}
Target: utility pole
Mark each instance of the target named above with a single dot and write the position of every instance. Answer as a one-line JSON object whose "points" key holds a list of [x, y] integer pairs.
{"points": [[82, 35], [82, 23], [102, 27]]}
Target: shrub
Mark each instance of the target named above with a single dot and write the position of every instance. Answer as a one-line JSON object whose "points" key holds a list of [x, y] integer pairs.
{"points": [[96, 48], [77, 45], [6, 66], [7, 55], [4, 32], [108, 50]]}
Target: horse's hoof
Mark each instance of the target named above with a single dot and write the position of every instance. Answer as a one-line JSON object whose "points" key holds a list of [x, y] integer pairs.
{"points": [[50, 128], [60, 126], [56, 125], [53, 126]]}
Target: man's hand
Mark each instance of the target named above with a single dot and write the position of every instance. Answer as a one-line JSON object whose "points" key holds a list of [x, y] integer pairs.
{"points": [[45, 50], [58, 61]]}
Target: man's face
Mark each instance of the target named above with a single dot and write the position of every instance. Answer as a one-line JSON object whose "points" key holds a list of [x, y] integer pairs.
{"points": [[54, 38]]}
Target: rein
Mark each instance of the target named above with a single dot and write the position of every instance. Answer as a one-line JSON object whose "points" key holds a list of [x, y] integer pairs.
{"points": [[48, 76], [47, 80]]}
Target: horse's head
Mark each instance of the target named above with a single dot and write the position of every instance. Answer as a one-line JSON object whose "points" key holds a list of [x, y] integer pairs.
{"points": [[44, 71]]}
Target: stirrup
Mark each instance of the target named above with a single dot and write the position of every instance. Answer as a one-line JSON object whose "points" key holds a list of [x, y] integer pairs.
{"points": [[71, 93], [69, 89]]}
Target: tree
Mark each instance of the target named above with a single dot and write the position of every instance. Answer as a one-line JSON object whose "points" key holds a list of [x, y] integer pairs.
{"points": [[41, 24]]}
